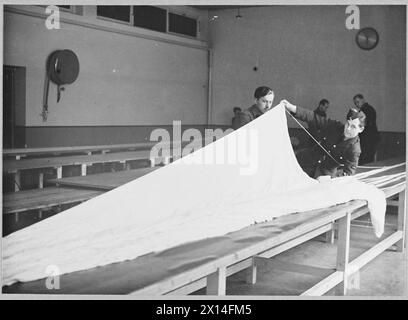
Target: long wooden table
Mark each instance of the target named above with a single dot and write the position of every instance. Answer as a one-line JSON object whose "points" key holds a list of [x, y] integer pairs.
{"points": [[207, 263], [111, 180]]}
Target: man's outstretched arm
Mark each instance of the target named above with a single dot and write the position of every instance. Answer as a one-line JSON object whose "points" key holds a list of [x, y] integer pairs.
{"points": [[309, 116]]}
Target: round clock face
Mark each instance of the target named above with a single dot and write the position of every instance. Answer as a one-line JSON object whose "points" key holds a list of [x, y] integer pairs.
{"points": [[367, 38]]}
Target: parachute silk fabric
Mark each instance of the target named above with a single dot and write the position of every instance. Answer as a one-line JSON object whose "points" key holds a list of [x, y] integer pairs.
{"points": [[250, 175]]}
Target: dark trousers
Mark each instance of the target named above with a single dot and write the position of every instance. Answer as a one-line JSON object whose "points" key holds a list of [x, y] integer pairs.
{"points": [[367, 156], [369, 141]]}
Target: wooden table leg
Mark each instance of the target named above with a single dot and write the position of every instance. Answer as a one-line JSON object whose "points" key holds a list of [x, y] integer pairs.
{"points": [[330, 234], [343, 249], [252, 272], [402, 222], [216, 282]]}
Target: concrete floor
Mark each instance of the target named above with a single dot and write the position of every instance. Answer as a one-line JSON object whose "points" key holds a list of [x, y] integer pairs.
{"points": [[385, 276]]}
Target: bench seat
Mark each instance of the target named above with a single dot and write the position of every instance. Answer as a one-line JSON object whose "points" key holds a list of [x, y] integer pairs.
{"points": [[41, 199]]}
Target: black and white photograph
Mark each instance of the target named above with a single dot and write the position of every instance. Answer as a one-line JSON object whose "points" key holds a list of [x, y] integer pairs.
{"points": [[204, 150]]}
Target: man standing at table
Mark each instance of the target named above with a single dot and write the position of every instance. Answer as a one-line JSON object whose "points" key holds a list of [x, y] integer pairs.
{"points": [[370, 137]]}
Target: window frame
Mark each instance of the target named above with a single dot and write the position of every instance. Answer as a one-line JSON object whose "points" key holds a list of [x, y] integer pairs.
{"points": [[167, 20], [70, 10], [130, 23], [187, 16], [74, 9]]}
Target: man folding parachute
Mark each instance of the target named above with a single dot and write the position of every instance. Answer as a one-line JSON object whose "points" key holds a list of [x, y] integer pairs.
{"points": [[187, 200]]}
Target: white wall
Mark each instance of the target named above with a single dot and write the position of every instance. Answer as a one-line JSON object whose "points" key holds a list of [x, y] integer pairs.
{"points": [[305, 53], [123, 79]]}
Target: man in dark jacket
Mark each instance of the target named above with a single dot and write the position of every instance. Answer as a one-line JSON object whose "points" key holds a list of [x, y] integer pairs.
{"points": [[341, 141], [319, 112], [263, 102], [370, 137]]}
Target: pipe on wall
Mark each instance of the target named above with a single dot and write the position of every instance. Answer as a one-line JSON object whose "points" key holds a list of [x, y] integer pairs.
{"points": [[209, 87]]}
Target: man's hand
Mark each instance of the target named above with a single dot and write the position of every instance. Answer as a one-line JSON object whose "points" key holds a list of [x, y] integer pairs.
{"points": [[290, 107]]}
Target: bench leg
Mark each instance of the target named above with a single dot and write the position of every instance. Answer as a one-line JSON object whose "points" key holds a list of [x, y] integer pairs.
{"points": [[83, 169], [40, 214], [17, 181], [59, 172], [152, 162], [41, 180], [216, 282], [16, 217], [402, 222], [343, 248], [126, 165]]}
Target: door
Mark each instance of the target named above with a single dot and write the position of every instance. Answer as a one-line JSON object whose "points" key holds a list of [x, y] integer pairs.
{"points": [[8, 107]]}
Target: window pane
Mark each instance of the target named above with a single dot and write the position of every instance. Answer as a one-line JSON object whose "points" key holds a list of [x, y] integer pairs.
{"points": [[121, 13], [183, 25], [150, 17]]}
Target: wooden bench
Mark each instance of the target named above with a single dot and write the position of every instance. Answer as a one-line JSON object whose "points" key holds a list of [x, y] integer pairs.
{"points": [[18, 153], [57, 163], [43, 199], [104, 181], [15, 166], [46, 198]]}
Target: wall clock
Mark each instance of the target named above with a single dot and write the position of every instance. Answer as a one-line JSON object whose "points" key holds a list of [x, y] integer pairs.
{"points": [[367, 38]]}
